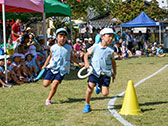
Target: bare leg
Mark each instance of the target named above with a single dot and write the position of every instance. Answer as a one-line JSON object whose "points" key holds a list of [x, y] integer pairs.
{"points": [[1, 82], [46, 83], [89, 91], [54, 86], [34, 69], [105, 91]]}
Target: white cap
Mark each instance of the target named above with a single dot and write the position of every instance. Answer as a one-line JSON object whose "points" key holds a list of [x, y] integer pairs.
{"points": [[22, 56], [155, 43], [16, 54], [78, 40], [107, 31], [32, 34], [85, 39], [90, 39], [8, 56]]}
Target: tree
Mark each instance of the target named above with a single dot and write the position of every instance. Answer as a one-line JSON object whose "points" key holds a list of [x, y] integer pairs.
{"points": [[130, 9], [124, 11]]}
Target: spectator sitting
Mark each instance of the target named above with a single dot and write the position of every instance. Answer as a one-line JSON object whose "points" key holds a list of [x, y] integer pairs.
{"points": [[1, 74], [25, 70], [154, 49], [32, 40], [50, 41], [90, 43], [125, 52], [39, 62], [16, 67], [160, 51], [147, 45], [77, 49], [29, 64], [77, 45], [11, 73], [2, 69], [117, 51]]}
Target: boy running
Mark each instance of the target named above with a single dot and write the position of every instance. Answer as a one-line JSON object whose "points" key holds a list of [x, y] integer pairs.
{"points": [[103, 63], [59, 63]]}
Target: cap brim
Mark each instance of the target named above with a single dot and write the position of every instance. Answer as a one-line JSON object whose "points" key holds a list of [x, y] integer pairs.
{"points": [[115, 35]]}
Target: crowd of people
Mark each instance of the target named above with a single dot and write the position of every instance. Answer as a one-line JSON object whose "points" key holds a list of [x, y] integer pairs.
{"points": [[128, 44], [30, 51]]}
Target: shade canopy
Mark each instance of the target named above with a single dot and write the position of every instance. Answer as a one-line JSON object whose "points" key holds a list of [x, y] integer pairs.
{"points": [[34, 8], [56, 8], [31, 6], [141, 21]]}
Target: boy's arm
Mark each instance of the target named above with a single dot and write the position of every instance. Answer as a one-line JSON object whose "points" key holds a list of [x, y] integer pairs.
{"points": [[47, 60], [114, 68], [88, 53], [86, 60], [73, 59]]}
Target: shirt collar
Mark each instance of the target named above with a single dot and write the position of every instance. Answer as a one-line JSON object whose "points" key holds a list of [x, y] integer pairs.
{"points": [[101, 45]]}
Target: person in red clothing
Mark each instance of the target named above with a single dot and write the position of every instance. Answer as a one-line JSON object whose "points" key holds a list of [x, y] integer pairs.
{"points": [[15, 30]]}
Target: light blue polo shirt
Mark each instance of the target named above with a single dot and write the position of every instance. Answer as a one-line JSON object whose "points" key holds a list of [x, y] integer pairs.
{"points": [[159, 51], [60, 59], [101, 60]]}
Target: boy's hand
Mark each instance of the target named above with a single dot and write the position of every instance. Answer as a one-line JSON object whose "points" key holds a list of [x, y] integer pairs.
{"points": [[81, 64], [87, 65], [43, 67]]}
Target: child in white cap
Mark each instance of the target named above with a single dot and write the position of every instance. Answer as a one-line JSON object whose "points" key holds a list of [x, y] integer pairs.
{"points": [[103, 64], [2, 70]]}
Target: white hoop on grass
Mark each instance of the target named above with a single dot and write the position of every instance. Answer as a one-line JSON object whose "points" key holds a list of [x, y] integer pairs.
{"points": [[84, 76]]}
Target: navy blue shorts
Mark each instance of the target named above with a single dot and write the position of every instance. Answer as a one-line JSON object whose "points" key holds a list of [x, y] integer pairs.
{"points": [[103, 80], [50, 76]]}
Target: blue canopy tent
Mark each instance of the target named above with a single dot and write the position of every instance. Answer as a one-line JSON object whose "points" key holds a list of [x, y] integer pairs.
{"points": [[143, 21]]}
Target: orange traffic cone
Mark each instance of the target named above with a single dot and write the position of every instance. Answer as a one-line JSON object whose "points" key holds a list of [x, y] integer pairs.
{"points": [[130, 104]]}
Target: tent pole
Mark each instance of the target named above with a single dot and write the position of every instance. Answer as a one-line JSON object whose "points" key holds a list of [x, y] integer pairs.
{"points": [[4, 38], [71, 30], [160, 34], [44, 28]]}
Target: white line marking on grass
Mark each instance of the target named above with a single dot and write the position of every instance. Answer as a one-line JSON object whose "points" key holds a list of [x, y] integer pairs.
{"points": [[112, 101]]}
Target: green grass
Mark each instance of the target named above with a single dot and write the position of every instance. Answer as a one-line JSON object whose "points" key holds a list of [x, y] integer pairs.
{"points": [[24, 105]]}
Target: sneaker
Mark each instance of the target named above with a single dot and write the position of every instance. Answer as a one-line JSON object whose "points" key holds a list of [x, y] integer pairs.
{"points": [[48, 102], [7, 85], [97, 89], [35, 80], [86, 109]]}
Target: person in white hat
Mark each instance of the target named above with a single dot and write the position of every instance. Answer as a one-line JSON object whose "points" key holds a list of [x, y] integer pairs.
{"points": [[103, 64], [2, 69], [2, 76], [11, 73], [78, 53], [30, 64], [89, 43], [154, 49], [16, 67]]}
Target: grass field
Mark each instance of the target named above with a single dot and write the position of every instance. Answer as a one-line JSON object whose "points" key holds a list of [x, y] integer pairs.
{"points": [[24, 105]]}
